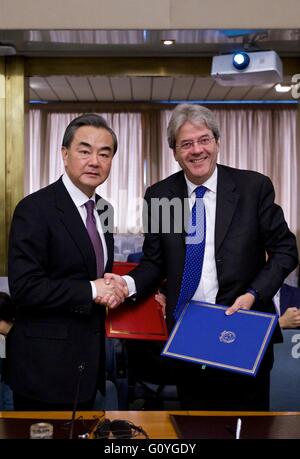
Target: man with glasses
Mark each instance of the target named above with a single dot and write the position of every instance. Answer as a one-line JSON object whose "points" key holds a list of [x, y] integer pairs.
{"points": [[241, 259]]}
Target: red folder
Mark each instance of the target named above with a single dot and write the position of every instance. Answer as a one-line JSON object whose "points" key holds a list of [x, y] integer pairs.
{"points": [[135, 319]]}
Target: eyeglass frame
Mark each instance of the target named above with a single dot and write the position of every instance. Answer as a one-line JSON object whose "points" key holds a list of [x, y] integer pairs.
{"points": [[191, 143]]}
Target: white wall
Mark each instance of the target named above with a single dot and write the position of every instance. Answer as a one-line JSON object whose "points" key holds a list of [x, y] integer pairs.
{"points": [[156, 14]]}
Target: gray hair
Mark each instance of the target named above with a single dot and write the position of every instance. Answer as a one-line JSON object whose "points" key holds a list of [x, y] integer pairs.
{"points": [[196, 114], [89, 119]]}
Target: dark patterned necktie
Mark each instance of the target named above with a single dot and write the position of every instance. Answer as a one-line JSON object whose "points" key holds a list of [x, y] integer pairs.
{"points": [[94, 236], [194, 254]]}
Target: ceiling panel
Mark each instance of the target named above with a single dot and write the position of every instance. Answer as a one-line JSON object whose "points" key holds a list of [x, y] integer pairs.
{"points": [[62, 88], [181, 88], [201, 88], [101, 86], [146, 89], [141, 88], [272, 94], [161, 88], [218, 92], [284, 95], [121, 88], [42, 89], [259, 92], [237, 93], [33, 95], [81, 87]]}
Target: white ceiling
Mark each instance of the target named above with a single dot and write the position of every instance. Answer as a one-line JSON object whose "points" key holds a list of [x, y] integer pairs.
{"points": [[144, 89], [147, 43]]}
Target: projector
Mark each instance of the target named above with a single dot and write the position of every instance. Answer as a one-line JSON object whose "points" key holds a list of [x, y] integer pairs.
{"points": [[261, 67]]}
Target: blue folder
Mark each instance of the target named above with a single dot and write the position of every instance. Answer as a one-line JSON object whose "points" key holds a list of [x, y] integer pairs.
{"points": [[204, 334]]}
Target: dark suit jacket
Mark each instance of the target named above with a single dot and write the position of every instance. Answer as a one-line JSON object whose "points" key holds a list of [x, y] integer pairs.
{"points": [[58, 326], [248, 224]]}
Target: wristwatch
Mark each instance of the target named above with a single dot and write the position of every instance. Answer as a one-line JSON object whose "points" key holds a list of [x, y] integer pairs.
{"points": [[254, 293]]}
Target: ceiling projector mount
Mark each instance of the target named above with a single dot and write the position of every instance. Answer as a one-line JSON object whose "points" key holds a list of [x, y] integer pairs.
{"points": [[245, 68]]}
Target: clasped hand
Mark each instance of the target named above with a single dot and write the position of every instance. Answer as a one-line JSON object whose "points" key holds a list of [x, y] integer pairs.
{"points": [[111, 290]]}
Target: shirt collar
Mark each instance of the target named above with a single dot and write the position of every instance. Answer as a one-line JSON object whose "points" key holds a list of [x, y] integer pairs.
{"points": [[210, 183], [78, 197]]}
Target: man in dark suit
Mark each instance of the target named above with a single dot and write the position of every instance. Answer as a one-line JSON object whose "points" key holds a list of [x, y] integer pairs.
{"points": [[61, 243], [248, 252]]}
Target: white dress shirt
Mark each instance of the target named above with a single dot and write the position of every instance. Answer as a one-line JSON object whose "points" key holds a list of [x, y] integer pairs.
{"points": [[208, 287], [276, 301], [79, 199]]}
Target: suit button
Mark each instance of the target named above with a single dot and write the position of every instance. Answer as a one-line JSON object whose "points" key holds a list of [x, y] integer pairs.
{"points": [[219, 260]]}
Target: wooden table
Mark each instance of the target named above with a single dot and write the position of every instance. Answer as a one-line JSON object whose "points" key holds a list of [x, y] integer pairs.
{"points": [[157, 424]]}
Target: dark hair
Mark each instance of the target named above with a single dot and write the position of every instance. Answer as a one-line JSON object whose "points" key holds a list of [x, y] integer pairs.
{"points": [[89, 119], [7, 307]]}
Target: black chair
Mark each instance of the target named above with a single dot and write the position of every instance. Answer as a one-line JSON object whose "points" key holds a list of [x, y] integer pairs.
{"points": [[151, 378], [116, 368]]}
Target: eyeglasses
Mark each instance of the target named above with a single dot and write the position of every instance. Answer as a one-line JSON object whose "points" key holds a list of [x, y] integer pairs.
{"points": [[188, 144]]}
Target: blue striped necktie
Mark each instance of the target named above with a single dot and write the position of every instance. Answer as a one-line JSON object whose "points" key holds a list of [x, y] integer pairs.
{"points": [[194, 254]]}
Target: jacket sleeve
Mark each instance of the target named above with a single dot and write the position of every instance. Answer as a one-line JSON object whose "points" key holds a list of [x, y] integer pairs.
{"points": [[279, 241]]}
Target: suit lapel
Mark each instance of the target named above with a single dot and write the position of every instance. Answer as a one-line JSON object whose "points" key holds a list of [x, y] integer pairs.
{"points": [[227, 199], [71, 219]]}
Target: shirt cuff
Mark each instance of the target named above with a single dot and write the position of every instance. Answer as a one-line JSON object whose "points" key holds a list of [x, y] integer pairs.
{"points": [[254, 293], [130, 285], [94, 290]]}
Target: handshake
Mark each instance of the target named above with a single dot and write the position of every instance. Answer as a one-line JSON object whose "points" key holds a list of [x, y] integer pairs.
{"points": [[111, 290]]}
